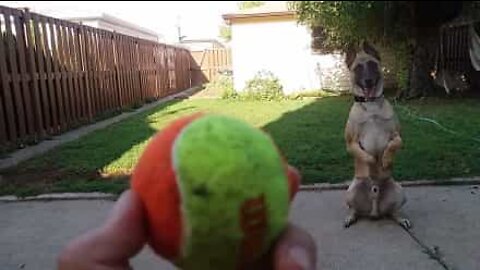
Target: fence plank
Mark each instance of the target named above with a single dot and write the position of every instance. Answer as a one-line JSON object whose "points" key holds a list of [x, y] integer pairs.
{"points": [[48, 72], [85, 60], [90, 71], [63, 73], [98, 71], [115, 53], [134, 69], [111, 68], [41, 74], [32, 68], [106, 66], [120, 77], [130, 70], [139, 69], [143, 72], [136, 84], [106, 80], [68, 74], [96, 89], [101, 72], [73, 72], [21, 52], [121, 74], [108, 84], [127, 70], [56, 74], [106, 76], [20, 110], [7, 94], [104, 70], [166, 80], [3, 125], [143, 64], [78, 72]]}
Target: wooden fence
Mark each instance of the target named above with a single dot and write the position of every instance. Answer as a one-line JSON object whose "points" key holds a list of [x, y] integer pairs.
{"points": [[57, 75], [209, 64], [453, 48]]}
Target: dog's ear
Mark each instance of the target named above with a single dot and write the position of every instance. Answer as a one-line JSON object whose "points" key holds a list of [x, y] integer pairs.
{"points": [[350, 55], [369, 49]]}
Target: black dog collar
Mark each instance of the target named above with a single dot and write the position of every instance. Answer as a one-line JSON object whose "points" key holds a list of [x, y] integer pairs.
{"points": [[365, 99]]}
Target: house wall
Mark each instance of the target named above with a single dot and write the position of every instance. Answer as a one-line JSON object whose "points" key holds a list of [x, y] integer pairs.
{"points": [[102, 24], [279, 45], [126, 31], [89, 23], [201, 46]]}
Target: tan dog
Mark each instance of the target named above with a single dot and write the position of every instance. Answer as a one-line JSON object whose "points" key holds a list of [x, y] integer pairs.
{"points": [[372, 135]]}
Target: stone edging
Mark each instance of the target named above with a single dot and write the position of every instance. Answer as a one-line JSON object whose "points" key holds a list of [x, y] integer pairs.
{"points": [[313, 187], [417, 183]]}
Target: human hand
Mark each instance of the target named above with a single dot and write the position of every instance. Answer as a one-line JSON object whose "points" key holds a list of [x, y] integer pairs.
{"points": [[124, 234]]}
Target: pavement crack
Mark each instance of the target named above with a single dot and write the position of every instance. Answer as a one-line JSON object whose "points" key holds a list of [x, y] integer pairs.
{"points": [[434, 253]]}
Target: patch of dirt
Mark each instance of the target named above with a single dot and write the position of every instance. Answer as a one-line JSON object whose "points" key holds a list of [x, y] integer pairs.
{"points": [[46, 176], [205, 93], [43, 180]]}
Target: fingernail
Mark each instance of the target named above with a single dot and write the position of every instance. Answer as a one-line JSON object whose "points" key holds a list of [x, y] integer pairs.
{"points": [[300, 257]]}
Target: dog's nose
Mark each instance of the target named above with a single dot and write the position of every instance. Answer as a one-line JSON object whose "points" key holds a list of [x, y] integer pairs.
{"points": [[368, 83]]}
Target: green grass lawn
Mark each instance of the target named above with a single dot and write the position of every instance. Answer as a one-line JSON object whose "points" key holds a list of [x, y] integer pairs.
{"points": [[309, 132]]}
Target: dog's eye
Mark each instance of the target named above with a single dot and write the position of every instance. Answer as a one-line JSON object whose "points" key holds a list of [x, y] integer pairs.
{"points": [[358, 69], [372, 66]]}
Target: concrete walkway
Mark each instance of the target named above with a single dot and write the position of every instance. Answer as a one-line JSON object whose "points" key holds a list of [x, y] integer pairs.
{"points": [[446, 232]]}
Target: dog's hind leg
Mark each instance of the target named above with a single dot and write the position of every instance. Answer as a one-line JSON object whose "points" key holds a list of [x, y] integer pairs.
{"points": [[401, 220], [358, 200], [392, 201]]}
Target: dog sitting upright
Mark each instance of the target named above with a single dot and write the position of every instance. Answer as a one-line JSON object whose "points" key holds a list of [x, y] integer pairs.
{"points": [[372, 135]]}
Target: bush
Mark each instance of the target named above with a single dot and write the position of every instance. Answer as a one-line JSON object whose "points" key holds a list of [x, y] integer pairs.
{"points": [[263, 86], [226, 88]]}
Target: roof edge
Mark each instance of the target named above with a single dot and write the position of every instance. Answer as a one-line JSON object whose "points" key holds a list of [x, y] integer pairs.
{"points": [[230, 17]]}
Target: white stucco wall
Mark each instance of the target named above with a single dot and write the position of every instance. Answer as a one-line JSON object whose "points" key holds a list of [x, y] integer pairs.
{"points": [[90, 23], [105, 25], [126, 31], [282, 47]]}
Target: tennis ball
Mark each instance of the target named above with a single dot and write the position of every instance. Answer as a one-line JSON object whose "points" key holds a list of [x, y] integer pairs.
{"points": [[216, 192]]}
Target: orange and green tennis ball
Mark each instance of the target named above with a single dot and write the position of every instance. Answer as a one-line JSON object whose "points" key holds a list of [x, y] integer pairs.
{"points": [[216, 192]]}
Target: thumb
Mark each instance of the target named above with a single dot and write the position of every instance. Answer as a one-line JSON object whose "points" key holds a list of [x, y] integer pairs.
{"points": [[110, 246], [295, 250]]}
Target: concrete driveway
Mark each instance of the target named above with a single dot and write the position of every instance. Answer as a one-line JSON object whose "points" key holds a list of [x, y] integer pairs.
{"points": [[446, 232]]}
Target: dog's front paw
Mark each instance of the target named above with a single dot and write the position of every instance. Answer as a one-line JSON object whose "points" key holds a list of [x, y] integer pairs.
{"points": [[369, 159], [387, 161]]}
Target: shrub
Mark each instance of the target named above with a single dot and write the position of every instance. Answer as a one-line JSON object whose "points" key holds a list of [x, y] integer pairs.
{"points": [[263, 86]]}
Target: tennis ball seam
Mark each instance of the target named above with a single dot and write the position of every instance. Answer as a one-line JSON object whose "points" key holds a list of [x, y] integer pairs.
{"points": [[187, 229]]}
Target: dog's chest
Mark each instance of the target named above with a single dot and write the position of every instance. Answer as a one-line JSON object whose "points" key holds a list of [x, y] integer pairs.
{"points": [[375, 124]]}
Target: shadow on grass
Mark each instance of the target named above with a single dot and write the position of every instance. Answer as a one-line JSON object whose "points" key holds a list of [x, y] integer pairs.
{"points": [[312, 139]]}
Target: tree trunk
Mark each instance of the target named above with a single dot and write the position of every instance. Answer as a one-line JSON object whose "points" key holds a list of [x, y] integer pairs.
{"points": [[423, 63]]}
